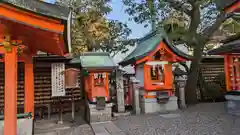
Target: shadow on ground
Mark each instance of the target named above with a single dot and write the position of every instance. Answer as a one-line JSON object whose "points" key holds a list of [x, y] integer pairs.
{"points": [[50, 127], [202, 119]]}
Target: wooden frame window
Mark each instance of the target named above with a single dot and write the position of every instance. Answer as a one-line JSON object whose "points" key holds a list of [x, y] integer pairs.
{"points": [[99, 79]]}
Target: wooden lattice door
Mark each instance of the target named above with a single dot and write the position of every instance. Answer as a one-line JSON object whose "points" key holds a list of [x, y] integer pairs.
{"points": [[234, 72]]}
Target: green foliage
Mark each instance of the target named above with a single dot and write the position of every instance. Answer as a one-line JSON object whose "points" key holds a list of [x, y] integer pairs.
{"points": [[93, 31], [118, 40], [183, 20], [141, 12], [175, 25], [231, 26], [196, 23]]}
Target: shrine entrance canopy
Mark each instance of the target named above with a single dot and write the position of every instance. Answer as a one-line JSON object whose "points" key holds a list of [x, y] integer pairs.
{"points": [[38, 25], [28, 26]]}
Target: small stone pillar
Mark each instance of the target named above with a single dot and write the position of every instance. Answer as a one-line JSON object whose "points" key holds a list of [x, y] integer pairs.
{"points": [[136, 101], [120, 92], [181, 82]]}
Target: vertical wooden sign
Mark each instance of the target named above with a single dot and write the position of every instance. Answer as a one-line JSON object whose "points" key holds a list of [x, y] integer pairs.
{"points": [[58, 79]]}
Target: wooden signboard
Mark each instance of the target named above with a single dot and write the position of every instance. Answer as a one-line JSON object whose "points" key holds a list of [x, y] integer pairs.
{"points": [[58, 79]]}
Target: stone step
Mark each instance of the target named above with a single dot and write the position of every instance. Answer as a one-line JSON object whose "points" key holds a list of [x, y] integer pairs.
{"points": [[106, 128]]}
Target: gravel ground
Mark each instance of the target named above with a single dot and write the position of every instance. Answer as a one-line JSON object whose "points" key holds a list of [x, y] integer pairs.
{"points": [[49, 127], [202, 119]]}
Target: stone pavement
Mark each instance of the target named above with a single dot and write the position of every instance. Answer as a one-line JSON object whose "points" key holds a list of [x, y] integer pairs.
{"points": [[49, 127], [84, 129], [202, 119], [106, 128]]}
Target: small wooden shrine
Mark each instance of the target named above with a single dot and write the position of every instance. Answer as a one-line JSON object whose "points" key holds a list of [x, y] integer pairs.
{"points": [[231, 52], [27, 26], [152, 60], [95, 68], [230, 49]]}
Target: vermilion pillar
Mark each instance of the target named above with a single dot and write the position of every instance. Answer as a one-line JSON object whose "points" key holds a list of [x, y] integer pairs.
{"points": [[227, 69], [10, 92], [29, 86], [233, 8]]}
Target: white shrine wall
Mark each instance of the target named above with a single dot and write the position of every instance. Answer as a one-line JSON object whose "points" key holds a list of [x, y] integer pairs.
{"points": [[139, 74]]}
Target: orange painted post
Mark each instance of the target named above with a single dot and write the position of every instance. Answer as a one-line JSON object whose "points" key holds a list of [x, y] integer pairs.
{"points": [[29, 87], [232, 8], [10, 92], [227, 70]]}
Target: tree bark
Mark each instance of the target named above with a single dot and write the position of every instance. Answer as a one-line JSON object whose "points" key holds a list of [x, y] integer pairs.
{"points": [[90, 49], [191, 85]]}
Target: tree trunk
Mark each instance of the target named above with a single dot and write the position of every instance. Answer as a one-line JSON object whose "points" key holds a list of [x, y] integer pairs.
{"points": [[90, 49], [191, 85]]}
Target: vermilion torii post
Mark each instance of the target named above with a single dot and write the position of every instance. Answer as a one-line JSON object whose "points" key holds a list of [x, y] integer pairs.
{"points": [[10, 90], [40, 27], [28, 84]]}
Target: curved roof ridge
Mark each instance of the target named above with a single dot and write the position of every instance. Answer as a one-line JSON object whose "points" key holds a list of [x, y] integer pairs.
{"points": [[43, 8], [148, 43]]}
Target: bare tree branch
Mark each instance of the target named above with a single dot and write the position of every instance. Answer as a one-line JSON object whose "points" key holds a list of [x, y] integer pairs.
{"points": [[192, 2], [208, 32], [195, 19], [178, 5]]}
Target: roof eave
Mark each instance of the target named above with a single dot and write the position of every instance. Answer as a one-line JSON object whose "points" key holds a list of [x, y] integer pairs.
{"points": [[101, 68], [173, 48], [29, 10], [127, 62], [177, 51]]}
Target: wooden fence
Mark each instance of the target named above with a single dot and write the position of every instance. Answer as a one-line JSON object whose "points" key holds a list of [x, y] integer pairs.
{"points": [[211, 71]]}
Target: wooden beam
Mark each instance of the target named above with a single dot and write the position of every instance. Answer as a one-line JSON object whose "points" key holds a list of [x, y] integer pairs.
{"points": [[10, 92], [30, 19], [233, 7]]}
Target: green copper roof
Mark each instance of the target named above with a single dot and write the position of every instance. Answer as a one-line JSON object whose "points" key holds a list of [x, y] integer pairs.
{"points": [[94, 60], [39, 7], [148, 44]]}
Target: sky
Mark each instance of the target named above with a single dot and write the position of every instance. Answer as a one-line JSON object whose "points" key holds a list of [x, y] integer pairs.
{"points": [[118, 14], [137, 29]]}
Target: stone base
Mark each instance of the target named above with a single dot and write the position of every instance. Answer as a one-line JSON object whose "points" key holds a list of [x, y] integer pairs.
{"points": [[115, 114], [93, 115], [232, 104], [152, 106]]}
